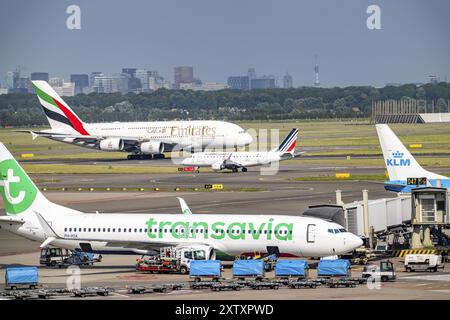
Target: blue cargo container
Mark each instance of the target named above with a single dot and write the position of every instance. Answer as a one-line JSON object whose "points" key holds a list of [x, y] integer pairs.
{"points": [[205, 268], [337, 267], [21, 276], [248, 268], [291, 268]]}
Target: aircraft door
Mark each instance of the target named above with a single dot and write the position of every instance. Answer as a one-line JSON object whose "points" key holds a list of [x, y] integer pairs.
{"points": [[311, 233]]}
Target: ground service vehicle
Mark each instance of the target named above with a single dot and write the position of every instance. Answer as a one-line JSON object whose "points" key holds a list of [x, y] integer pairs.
{"points": [[423, 262], [385, 271], [173, 259]]}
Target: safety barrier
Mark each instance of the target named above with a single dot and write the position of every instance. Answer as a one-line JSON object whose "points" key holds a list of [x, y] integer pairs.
{"points": [[404, 252]]}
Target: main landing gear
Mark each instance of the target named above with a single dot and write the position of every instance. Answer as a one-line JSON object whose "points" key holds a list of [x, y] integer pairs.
{"points": [[244, 169], [145, 156]]}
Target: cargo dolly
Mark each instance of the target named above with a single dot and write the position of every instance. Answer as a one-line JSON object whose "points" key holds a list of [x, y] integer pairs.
{"points": [[299, 284], [90, 292], [222, 286], [260, 285]]}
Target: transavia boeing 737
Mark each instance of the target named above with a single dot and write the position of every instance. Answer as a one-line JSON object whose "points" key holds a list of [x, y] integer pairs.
{"points": [[31, 215], [405, 173], [142, 140], [235, 160]]}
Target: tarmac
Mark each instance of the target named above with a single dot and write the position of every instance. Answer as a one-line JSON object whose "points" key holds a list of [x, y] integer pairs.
{"points": [[244, 193]]}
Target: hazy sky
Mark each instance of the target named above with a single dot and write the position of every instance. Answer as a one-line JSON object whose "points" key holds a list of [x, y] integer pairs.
{"points": [[223, 38]]}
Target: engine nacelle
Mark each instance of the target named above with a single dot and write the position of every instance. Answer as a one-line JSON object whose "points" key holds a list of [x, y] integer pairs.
{"points": [[217, 166], [114, 144], [152, 147]]}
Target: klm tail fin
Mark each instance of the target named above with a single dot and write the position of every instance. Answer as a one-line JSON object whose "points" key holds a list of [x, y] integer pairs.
{"points": [[59, 114], [399, 162], [288, 144], [19, 194]]}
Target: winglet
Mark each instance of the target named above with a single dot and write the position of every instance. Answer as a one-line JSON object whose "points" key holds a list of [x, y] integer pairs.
{"points": [[184, 207]]}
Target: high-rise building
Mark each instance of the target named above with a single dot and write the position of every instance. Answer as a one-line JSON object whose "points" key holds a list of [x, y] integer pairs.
{"points": [[11, 79], [40, 76], [56, 82], [67, 89], [92, 77], [183, 75], [129, 71], [81, 82], [142, 75], [239, 82], [265, 82], [287, 81], [103, 84]]}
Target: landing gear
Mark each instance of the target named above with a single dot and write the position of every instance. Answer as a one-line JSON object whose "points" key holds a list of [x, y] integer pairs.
{"points": [[139, 157], [244, 169], [159, 156]]}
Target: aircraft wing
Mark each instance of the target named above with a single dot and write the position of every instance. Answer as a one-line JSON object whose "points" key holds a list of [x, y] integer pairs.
{"points": [[78, 137]]}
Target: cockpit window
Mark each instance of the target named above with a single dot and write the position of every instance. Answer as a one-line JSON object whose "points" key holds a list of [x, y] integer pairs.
{"points": [[330, 230], [336, 231], [342, 230]]}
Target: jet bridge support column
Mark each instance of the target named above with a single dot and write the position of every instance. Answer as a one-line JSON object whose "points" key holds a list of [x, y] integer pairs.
{"points": [[366, 215]]}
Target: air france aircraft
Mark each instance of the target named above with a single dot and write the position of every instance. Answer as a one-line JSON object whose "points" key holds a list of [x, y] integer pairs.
{"points": [[31, 215], [235, 160], [142, 140], [405, 173]]}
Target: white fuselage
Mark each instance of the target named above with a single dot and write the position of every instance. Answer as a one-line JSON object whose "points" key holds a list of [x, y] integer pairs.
{"points": [[197, 135], [244, 159], [230, 234]]}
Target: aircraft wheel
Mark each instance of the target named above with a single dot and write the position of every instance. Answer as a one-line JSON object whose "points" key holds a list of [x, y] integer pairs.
{"points": [[244, 169]]}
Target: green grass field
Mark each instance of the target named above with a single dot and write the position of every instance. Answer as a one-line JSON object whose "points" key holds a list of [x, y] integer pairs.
{"points": [[320, 138]]}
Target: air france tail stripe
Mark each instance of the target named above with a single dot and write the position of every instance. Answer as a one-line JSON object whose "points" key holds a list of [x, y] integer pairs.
{"points": [[286, 144], [286, 140], [76, 123]]}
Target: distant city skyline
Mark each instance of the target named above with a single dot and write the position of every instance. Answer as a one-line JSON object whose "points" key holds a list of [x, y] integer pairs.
{"points": [[222, 39]]}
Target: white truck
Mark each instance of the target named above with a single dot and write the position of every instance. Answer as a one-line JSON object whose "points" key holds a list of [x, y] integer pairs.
{"points": [[175, 259], [384, 272], [423, 262]]}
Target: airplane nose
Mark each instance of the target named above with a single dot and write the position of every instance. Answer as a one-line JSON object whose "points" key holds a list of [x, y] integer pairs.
{"points": [[354, 242], [248, 138]]}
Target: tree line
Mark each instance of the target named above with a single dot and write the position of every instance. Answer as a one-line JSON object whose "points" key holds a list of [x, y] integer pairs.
{"points": [[232, 105]]}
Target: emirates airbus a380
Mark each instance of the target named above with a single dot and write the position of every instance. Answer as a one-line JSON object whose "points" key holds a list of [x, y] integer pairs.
{"points": [[142, 140]]}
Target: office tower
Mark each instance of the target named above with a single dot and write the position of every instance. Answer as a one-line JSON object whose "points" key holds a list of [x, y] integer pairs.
{"points": [[56, 82], [264, 82], [287, 81], [103, 84], [11, 79], [183, 75], [142, 75], [129, 71], [238, 82], [92, 77], [81, 82], [40, 76]]}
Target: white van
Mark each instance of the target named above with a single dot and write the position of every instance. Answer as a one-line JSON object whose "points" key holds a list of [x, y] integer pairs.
{"points": [[419, 262]]}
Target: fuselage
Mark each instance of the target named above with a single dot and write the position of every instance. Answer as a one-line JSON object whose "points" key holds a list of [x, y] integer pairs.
{"points": [[247, 159], [230, 234], [197, 135]]}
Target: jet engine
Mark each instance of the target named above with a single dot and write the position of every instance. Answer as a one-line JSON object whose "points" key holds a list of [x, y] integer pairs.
{"points": [[114, 144], [152, 147]]}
